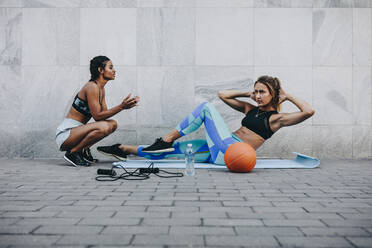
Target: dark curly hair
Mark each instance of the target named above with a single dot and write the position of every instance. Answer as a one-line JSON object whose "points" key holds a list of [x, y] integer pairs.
{"points": [[95, 63]]}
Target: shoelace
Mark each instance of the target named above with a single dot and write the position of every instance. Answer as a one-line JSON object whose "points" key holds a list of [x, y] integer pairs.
{"points": [[87, 153]]}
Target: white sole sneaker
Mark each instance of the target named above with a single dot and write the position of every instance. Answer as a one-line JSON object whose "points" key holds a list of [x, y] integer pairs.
{"points": [[160, 151], [68, 160], [112, 155]]}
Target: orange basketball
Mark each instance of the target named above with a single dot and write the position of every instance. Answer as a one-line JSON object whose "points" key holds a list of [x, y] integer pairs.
{"points": [[240, 157]]}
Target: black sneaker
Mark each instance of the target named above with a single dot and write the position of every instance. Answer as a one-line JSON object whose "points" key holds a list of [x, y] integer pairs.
{"points": [[87, 156], [159, 146], [75, 158], [114, 151]]}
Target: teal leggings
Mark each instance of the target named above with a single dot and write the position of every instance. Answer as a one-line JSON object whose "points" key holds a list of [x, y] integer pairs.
{"points": [[218, 137]]}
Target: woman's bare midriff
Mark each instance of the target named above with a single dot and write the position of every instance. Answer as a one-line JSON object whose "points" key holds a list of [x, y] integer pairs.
{"points": [[249, 137], [76, 115]]}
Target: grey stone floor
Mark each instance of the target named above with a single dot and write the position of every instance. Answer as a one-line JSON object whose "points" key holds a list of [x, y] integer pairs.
{"points": [[45, 203]]}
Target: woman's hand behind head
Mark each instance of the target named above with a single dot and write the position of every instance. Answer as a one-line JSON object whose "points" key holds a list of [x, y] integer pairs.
{"points": [[282, 96]]}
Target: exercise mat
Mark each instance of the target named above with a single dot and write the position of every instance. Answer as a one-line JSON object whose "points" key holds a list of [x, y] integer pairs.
{"points": [[299, 162]]}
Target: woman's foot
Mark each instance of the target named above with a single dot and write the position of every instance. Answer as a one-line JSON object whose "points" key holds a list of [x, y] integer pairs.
{"points": [[159, 146], [75, 158], [87, 156], [114, 151]]}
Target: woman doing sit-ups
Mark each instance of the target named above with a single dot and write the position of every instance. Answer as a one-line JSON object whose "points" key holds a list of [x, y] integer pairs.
{"points": [[259, 124]]}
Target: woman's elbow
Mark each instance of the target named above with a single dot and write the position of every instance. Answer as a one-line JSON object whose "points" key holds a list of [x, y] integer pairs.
{"points": [[97, 117], [309, 113], [221, 94]]}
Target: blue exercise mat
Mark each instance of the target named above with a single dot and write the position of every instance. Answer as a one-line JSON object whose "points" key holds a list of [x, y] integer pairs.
{"points": [[300, 162]]}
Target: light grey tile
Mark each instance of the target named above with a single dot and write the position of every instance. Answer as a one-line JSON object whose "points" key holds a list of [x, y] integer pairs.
{"points": [[46, 95], [224, 36], [117, 34], [108, 3], [166, 36], [332, 141], [362, 95], [296, 81], [178, 36], [287, 41], [362, 37], [10, 136], [150, 3], [11, 36], [167, 95], [11, 93], [283, 3], [84, 75], [179, 3], [166, 3], [10, 124], [225, 3], [362, 142], [67, 36], [50, 36], [150, 88], [149, 36], [11, 3], [288, 140], [332, 37], [178, 89], [38, 143], [342, 3], [323, 241], [50, 4], [332, 95]]}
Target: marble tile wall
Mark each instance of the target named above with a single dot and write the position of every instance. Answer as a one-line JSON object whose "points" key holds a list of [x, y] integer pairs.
{"points": [[176, 54]]}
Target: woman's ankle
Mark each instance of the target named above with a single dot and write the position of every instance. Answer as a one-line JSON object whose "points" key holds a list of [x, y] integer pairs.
{"points": [[123, 148], [172, 136]]}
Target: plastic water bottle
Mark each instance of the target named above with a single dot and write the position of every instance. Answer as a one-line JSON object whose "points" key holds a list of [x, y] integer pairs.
{"points": [[189, 159]]}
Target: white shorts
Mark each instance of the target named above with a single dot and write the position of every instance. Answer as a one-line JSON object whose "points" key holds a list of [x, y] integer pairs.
{"points": [[63, 130]]}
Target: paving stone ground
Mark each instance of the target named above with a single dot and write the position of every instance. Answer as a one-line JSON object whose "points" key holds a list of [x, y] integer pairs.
{"points": [[45, 203]]}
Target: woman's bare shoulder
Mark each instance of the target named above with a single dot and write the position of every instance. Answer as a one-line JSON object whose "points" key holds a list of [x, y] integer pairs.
{"points": [[88, 88]]}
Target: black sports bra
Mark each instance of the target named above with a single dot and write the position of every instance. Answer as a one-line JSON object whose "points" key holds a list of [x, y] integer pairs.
{"points": [[81, 106], [258, 121]]}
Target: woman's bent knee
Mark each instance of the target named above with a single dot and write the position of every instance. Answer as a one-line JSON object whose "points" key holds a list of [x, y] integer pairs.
{"points": [[114, 125], [103, 128], [108, 127]]}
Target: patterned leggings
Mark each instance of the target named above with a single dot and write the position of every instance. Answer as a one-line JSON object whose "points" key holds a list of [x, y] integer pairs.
{"points": [[218, 137]]}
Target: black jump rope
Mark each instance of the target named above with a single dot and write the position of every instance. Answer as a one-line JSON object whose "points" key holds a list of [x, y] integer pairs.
{"points": [[137, 174]]}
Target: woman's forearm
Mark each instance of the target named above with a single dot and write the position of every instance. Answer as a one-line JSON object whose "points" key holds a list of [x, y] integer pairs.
{"points": [[103, 115], [301, 104], [229, 94]]}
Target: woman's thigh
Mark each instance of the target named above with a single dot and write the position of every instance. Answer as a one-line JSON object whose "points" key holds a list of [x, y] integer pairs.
{"points": [[218, 135], [79, 133]]}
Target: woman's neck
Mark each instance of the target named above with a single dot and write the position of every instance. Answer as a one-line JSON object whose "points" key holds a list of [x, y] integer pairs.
{"points": [[267, 108], [101, 82]]}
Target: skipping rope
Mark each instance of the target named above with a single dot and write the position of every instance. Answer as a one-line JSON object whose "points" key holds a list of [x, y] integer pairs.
{"points": [[109, 175]]}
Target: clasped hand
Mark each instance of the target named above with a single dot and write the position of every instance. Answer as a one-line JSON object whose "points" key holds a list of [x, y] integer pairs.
{"points": [[282, 96]]}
